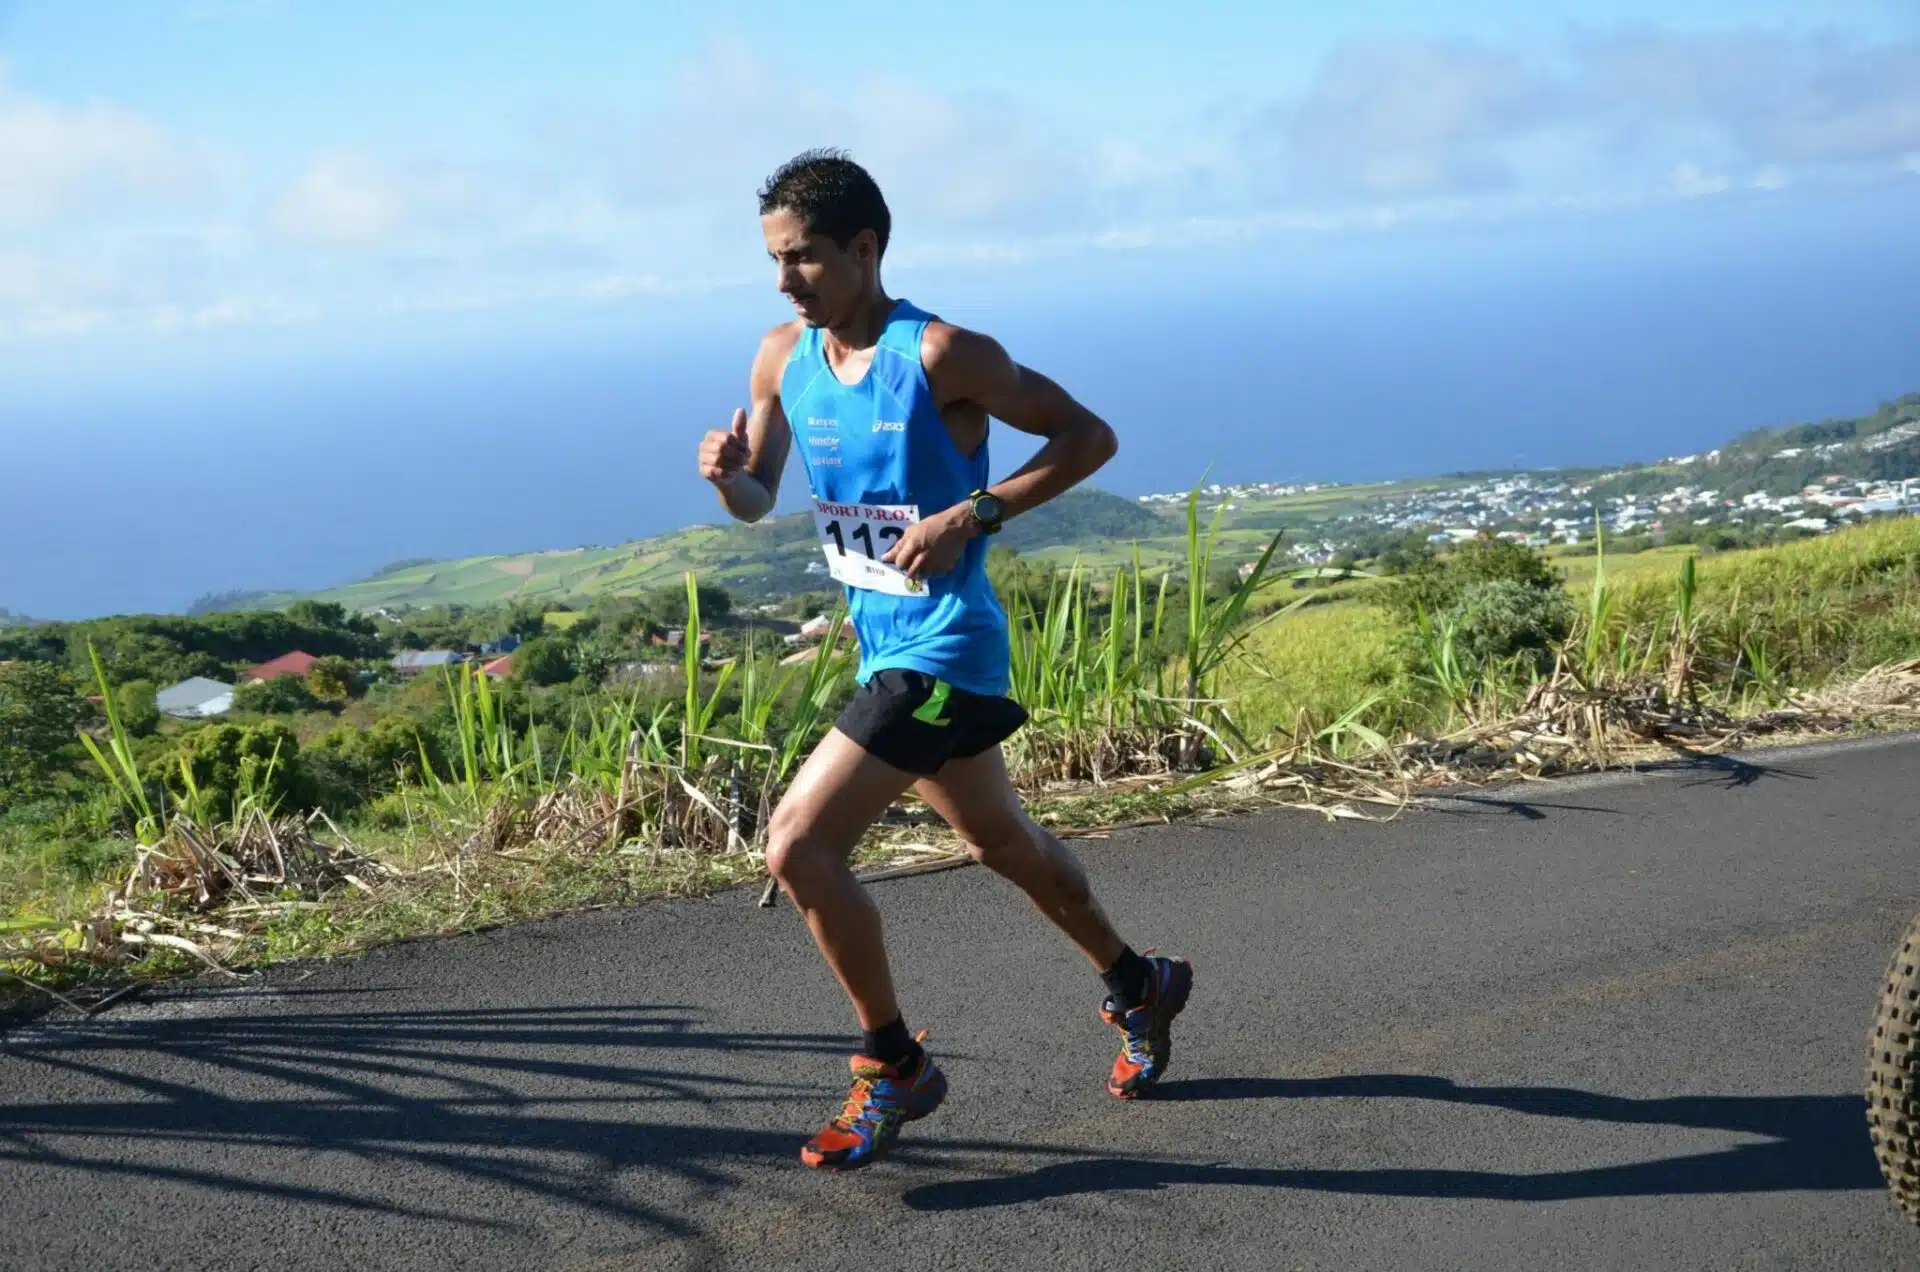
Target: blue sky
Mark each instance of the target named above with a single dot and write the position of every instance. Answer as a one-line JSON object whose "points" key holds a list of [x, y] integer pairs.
{"points": [[289, 290], [178, 167]]}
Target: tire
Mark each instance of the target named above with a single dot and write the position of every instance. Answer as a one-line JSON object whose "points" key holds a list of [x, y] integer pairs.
{"points": [[1893, 1076]]}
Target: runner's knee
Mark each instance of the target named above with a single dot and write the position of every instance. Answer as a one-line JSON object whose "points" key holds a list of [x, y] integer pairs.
{"points": [[792, 852], [1024, 852], [999, 848]]}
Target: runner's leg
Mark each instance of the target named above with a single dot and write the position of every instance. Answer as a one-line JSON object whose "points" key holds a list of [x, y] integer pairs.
{"points": [[1144, 993], [976, 797], [839, 792]]}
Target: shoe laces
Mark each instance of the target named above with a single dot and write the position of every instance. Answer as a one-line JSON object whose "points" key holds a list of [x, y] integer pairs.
{"points": [[865, 1098], [859, 1101]]}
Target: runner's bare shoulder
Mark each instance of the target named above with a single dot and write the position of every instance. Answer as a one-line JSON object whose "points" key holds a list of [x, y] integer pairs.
{"points": [[771, 358], [776, 346], [960, 363]]}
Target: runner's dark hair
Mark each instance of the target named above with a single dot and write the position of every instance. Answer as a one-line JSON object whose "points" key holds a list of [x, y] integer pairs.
{"points": [[830, 192]]}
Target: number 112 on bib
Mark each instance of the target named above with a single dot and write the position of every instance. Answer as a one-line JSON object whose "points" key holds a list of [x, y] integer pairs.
{"points": [[855, 537]]}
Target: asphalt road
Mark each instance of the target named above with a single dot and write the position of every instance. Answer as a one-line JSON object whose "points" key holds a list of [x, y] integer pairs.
{"points": [[1615, 1023]]}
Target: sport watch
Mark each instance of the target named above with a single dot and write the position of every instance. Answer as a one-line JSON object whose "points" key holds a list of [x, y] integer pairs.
{"points": [[987, 511]]}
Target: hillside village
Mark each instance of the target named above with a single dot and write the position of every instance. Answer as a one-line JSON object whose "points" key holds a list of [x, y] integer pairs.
{"points": [[205, 698], [1542, 509]]}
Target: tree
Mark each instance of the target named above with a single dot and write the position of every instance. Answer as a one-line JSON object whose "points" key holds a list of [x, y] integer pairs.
{"points": [[283, 695], [139, 704], [333, 680], [526, 619], [40, 711], [1223, 579], [318, 613], [1013, 576], [545, 661], [669, 603]]}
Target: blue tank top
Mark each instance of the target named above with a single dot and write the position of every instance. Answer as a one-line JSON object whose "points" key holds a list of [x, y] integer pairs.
{"points": [[881, 443]]}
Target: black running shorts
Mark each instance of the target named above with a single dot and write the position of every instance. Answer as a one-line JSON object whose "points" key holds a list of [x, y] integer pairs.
{"points": [[916, 722]]}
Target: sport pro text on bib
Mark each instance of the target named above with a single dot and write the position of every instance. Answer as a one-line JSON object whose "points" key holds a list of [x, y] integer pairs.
{"points": [[855, 537]]}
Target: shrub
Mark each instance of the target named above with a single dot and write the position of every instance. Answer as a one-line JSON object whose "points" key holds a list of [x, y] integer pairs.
{"points": [[283, 695], [1502, 619], [1436, 585], [1502, 599], [139, 703], [209, 770], [349, 766], [40, 711]]}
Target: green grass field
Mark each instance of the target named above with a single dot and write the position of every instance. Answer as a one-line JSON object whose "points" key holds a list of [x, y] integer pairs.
{"points": [[1578, 570]]}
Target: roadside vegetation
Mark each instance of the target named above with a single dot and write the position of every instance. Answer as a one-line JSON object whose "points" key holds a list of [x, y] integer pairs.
{"points": [[637, 745]]}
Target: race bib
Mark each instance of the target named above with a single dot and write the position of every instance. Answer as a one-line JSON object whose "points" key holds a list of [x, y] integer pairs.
{"points": [[856, 536]]}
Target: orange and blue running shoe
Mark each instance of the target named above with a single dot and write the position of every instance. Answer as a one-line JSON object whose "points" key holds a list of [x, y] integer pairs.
{"points": [[1146, 1031], [881, 1102]]}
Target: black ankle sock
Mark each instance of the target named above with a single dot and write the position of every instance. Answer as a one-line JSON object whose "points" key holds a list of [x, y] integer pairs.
{"points": [[1127, 979], [891, 1044]]}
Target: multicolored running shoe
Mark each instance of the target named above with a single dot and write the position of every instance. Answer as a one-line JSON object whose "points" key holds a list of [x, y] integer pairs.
{"points": [[881, 1102], [1146, 1032]]}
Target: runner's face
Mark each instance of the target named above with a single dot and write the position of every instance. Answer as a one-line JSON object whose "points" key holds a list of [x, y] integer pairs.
{"points": [[822, 280]]}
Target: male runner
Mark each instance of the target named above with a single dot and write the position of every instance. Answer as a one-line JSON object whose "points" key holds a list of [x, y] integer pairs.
{"points": [[891, 406]]}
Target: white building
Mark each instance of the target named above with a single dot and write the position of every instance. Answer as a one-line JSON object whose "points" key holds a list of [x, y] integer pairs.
{"points": [[197, 698]]}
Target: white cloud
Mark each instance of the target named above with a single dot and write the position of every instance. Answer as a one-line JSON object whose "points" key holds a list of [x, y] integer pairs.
{"points": [[1418, 118], [607, 205], [63, 162], [1772, 96], [1412, 118], [734, 116], [1689, 182], [343, 199]]}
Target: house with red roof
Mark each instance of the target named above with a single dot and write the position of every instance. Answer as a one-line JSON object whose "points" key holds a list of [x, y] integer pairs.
{"points": [[500, 668], [297, 663]]}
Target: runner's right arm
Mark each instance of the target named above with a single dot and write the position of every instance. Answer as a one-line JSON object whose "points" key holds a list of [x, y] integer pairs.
{"points": [[745, 462]]}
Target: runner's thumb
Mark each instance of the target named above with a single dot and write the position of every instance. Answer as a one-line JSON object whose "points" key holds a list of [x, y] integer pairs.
{"points": [[740, 423]]}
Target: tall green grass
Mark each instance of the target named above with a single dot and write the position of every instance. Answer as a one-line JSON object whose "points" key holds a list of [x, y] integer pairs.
{"points": [[1756, 622], [1115, 682], [687, 770], [117, 762]]}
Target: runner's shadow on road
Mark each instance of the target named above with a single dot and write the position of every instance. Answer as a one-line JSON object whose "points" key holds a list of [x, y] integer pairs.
{"points": [[355, 1110], [1812, 1143]]}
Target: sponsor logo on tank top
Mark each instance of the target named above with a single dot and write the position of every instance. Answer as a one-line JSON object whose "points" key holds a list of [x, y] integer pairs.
{"points": [[825, 426], [889, 426]]}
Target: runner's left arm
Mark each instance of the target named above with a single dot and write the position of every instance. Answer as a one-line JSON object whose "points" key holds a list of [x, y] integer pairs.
{"points": [[966, 366]]}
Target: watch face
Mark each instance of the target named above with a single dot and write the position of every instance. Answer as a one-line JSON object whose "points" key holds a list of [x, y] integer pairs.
{"points": [[987, 508]]}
